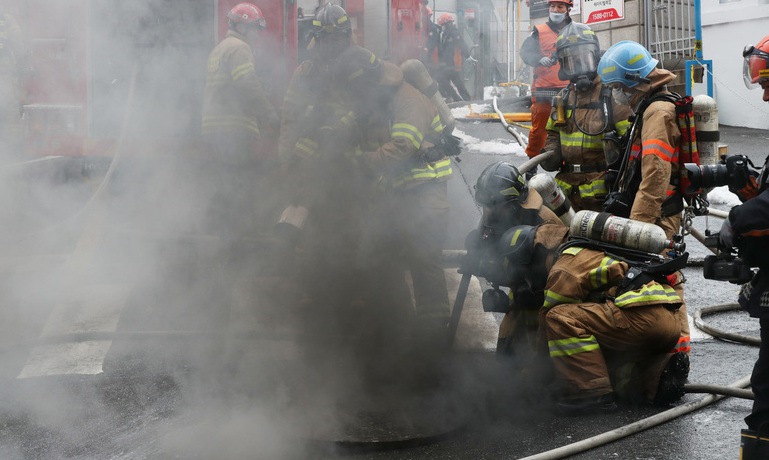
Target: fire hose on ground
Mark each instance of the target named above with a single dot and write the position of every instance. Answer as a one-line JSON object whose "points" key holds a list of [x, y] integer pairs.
{"points": [[522, 140]]}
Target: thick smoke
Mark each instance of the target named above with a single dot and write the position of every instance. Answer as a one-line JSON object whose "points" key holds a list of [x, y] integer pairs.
{"points": [[214, 346]]}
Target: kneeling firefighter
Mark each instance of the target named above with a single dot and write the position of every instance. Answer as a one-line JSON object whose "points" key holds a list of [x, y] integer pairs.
{"points": [[507, 201], [583, 113], [608, 317]]}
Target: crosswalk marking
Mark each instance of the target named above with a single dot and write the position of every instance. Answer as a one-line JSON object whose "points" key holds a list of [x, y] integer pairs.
{"points": [[95, 308]]}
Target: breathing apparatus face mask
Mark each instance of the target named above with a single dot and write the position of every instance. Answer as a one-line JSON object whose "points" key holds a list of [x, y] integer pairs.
{"points": [[557, 18], [532, 274], [612, 149], [583, 83], [578, 64]]}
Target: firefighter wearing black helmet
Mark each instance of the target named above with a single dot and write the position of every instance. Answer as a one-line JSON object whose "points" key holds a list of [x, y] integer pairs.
{"points": [[507, 202], [399, 130], [331, 35], [583, 114]]}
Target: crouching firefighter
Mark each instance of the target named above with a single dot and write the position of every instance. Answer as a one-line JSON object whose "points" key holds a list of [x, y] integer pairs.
{"points": [[610, 317], [507, 202]]}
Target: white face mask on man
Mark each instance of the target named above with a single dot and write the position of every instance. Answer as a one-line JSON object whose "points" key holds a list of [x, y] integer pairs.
{"points": [[557, 17], [622, 96]]}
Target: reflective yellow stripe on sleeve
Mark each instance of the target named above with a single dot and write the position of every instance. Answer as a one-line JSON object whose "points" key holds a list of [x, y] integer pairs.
{"points": [[242, 70], [432, 171], [409, 132], [599, 276]]}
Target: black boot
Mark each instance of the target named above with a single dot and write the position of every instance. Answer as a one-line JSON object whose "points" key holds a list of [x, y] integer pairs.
{"points": [[585, 406], [672, 380]]}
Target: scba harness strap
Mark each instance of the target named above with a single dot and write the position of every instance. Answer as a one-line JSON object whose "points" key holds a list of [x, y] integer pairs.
{"points": [[687, 153]]}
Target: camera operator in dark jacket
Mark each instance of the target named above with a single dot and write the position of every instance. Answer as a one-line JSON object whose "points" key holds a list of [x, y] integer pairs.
{"points": [[747, 230]]}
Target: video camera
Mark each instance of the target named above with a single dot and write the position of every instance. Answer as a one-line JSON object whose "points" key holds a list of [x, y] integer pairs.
{"points": [[725, 265], [732, 170]]}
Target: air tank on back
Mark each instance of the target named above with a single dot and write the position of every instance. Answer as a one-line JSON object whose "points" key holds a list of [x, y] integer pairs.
{"points": [[415, 73], [706, 124], [619, 231], [553, 196]]}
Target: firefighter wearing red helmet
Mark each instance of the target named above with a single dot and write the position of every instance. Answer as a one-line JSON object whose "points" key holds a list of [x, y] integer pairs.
{"points": [[236, 114], [538, 51], [745, 230], [756, 66], [451, 50], [432, 37]]}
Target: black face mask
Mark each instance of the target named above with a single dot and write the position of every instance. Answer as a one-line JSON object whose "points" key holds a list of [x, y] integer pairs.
{"points": [[583, 84], [536, 276], [532, 275]]}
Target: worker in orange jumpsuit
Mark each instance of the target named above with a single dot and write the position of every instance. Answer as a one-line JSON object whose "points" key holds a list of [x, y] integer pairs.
{"points": [[538, 51]]}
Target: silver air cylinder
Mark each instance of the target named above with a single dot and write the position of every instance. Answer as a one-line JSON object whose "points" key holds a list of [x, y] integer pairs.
{"points": [[553, 196], [706, 124], [602, 226], [415, 73]]}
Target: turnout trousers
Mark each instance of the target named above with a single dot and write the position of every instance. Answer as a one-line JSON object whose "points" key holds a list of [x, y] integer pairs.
{"points": [[588, 340]]}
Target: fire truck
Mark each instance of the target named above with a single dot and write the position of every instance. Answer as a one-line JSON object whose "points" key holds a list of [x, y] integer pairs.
{"points": [[85, 56]]}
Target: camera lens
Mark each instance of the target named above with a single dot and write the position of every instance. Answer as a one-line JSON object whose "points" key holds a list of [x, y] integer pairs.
{"points": [[706, 176]]}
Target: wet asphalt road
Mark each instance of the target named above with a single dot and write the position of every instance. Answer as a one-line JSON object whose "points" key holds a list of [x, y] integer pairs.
{"points": [[175, 382]]}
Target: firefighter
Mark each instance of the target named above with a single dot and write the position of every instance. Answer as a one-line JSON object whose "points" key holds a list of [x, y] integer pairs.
{"points": [[236, 110], [449, 80], [507, 201], [432, 38], [631, 72], [538, 51], [331, 35], [599, 315], [746, 229], [13, 57], [584, 112], [400, 130]]}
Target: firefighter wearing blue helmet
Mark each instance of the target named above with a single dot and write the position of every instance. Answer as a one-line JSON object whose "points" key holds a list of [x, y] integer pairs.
{"points": [[632, 73]]}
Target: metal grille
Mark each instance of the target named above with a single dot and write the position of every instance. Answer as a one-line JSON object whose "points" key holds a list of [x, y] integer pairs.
{"points": [[670, 28]]}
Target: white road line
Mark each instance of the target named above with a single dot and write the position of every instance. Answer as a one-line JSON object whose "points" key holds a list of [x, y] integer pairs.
{"points": [[477, 329], [94, 308]]}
